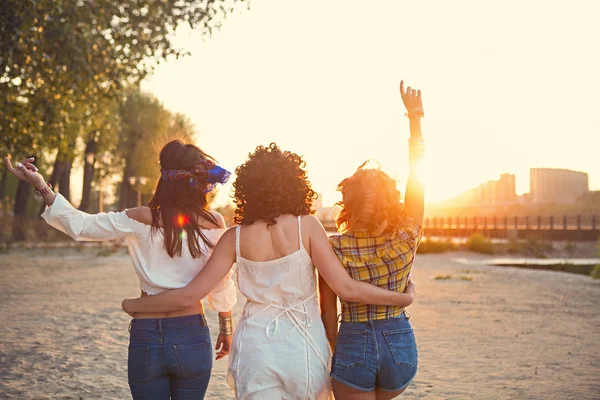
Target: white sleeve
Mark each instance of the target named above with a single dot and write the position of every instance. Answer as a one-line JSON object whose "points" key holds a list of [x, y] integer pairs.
{"points": [[223, 296], [87, 227]]}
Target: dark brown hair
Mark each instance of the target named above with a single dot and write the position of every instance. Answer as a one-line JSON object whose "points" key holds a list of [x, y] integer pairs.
{"points": [[176, 207], [271, 183]]}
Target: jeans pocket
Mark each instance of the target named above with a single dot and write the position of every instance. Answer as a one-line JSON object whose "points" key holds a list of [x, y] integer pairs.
{"points": [[350, 349], [402, 345], [138, 364], [195, 360]]}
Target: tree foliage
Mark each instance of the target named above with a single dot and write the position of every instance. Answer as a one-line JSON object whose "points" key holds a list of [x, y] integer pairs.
{"points": [[65, 66], [60, 58]]}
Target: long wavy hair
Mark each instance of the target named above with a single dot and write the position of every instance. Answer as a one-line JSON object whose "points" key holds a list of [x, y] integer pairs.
{"points": [[271, 183], [370, 202], [176, 207]]}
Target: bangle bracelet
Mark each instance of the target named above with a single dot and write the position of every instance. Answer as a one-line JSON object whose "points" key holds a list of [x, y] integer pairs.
{"points": [[225, 325], [416, 112], [43, 191]]}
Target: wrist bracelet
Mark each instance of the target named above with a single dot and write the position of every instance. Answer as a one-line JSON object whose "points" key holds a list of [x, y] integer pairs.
{"points": [[226, 325], [43, 191], [416, 112]]}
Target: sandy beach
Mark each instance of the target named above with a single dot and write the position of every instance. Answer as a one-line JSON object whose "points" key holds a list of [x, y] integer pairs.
{"points": [[485, 333]]}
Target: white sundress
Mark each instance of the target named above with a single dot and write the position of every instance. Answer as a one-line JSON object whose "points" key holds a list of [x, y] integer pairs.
{"points": [[279, 350]]}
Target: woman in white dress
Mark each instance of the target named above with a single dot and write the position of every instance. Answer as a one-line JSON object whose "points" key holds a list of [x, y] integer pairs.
{"points": [[169, 243], [279, 350]]}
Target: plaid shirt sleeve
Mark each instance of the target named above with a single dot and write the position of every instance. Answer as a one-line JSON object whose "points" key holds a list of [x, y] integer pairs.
{"points": [[411, 231]]}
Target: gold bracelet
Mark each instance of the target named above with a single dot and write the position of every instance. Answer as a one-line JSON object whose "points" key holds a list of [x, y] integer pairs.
{"points": [[226, 325]]}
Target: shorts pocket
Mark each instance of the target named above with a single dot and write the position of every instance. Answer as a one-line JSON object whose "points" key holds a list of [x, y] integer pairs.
{"points": [[194, 359], [402, 345], [138, 364], [350, 349]]}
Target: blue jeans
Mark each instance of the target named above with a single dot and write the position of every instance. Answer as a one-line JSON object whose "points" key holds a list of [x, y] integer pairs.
{"points": [[375, 354], [169, 358]]}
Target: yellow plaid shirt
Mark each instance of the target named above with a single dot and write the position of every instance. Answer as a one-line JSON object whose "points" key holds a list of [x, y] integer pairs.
{"points": [[383, 261]]}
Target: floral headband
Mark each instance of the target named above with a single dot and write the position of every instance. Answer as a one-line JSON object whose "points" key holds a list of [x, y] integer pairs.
{"points": [[203, 176]]}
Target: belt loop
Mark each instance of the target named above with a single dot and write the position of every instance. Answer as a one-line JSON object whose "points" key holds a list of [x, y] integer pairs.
{"points": [[204, 322], [160, 328]]}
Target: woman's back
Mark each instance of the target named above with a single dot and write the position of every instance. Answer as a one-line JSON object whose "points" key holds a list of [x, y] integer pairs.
{"points": [[280, 330], [273, 264]]}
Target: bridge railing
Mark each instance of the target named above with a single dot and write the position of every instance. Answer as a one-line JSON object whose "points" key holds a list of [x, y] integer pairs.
{"points": [[566, 227]]}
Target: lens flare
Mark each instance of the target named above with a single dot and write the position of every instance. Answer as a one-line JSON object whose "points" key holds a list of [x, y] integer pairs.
{"points": [[181, 220], [183, 235]]}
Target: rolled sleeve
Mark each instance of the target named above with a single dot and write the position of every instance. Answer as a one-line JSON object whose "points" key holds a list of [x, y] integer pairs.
{"points": [[82, 226], [223, 296]]}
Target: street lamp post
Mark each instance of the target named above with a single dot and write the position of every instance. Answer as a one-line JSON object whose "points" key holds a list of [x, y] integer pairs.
{"points": [[138, 182]]}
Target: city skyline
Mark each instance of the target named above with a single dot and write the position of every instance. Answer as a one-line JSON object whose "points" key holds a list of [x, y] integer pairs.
{"points": [[546, 185]]}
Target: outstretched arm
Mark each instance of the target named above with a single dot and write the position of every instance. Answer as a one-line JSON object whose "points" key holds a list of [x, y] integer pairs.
{"points": [[61, 215], [338, 279], [217, 267], [415, 193]]}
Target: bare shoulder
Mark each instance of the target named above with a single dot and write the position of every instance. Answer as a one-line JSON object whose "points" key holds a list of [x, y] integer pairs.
{"points": [[219, 218], [227, 241], [312, 223], [141, 214]]}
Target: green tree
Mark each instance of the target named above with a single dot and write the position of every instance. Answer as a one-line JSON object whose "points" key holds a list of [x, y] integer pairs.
{"points": [[61, 59]]}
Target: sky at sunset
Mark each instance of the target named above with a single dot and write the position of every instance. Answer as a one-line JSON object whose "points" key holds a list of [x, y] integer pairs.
{"points": [[507, 85]]}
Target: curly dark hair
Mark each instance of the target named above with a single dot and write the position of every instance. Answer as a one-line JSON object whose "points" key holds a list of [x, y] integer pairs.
{"points": [[271, 183]]}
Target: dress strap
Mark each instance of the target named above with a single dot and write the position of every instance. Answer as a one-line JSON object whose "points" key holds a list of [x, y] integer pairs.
{"points": [[300, 232], [238, 229]]}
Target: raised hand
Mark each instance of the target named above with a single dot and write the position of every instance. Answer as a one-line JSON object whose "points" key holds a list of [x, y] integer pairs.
{"points": [[411, 98], [26, 171]]}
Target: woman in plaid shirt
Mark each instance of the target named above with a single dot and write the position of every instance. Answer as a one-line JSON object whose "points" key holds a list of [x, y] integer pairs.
{"points": [[376, 355]]}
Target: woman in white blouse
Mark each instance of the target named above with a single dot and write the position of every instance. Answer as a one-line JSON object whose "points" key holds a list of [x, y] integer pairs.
{"points": [[169, 241]]}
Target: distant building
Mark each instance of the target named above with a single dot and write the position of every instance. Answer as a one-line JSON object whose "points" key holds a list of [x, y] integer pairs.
{"points": [[557, 186], [501, 191], [590, 198], [318, 202]]}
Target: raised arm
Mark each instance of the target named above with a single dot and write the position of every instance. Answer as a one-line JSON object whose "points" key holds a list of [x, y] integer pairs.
{"points": [[415, 193], [338, 279], [61, 215], [213, 273]]}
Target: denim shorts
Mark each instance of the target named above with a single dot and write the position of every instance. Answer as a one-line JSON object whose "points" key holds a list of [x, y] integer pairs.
{"points": [[169, 358], [375, 354]]}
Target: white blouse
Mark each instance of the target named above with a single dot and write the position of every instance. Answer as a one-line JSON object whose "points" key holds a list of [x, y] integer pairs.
{"points": [[156, 271]]}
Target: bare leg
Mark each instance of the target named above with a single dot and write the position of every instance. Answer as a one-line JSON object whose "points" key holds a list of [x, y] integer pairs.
{"points": [[343, 392], [381, 395]]}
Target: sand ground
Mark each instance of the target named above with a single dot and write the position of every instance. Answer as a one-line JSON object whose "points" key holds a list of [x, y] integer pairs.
{"points": [[506, 334]]}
